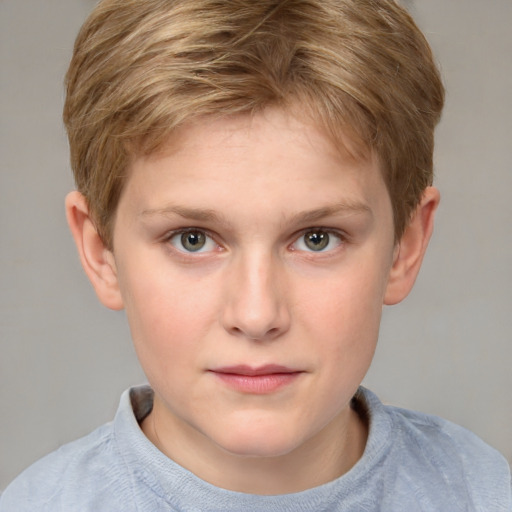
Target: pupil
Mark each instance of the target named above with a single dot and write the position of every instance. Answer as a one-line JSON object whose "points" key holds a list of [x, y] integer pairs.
{"points": [[193, 241], [317, 240]]}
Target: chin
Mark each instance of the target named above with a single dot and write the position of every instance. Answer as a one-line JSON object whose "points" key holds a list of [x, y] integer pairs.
{"points": [[263, 450], [264, 443]]}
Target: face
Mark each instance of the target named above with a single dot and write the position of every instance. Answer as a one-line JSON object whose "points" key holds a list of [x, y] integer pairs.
{"points": [[252, 259]]}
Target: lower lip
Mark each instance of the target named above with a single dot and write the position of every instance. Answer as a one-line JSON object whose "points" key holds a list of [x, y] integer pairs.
{"points": [[257, 384]]}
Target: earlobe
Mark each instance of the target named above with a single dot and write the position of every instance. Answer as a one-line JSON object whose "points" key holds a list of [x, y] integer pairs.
{"points": [[97, 260], [411, 248]]}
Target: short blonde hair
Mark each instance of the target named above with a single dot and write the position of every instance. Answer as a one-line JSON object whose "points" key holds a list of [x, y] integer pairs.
{"points": [[142, 68]]}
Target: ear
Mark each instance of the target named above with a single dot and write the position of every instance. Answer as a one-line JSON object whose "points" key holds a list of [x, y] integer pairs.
{"points": [[411, 248], [97, 261]]}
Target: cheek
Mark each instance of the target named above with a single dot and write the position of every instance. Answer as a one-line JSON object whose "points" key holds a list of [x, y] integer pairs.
{"points": [[348, 299], [343, 317], [350, 331], [168, 316]]}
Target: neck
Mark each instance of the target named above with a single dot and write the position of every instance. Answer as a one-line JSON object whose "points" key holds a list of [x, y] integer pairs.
{"points": [[328, 455]]}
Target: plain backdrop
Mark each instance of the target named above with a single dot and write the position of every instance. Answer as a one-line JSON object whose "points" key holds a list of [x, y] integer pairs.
{"points": [[446, 350]]}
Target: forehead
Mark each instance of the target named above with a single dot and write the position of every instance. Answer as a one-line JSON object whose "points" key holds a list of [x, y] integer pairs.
{"points": [[271, 159], [273, 126]]}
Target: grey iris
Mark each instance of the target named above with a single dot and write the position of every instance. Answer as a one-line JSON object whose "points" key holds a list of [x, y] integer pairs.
{"points": [[316, 240], [193, 240]]}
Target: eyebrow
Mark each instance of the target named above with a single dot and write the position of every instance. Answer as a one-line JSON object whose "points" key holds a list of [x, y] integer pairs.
{"points": [[331, 211], [199, 214], [208, 215]]}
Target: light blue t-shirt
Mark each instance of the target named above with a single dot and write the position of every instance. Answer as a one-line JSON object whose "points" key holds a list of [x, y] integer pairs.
{"points": [[412, 462]]}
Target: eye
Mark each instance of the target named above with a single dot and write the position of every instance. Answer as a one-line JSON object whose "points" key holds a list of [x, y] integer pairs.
{"points": [[193, 240], [318, 240]]}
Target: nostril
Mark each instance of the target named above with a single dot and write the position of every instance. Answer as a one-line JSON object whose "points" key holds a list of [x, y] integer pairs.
{"points": [[270, 334]]}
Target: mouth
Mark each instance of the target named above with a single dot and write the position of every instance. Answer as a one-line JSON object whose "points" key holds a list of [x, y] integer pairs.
{"points": [[257, 380]]}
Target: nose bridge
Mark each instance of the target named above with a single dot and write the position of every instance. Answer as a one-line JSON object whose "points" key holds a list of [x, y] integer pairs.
{"points": [[256, 303]]}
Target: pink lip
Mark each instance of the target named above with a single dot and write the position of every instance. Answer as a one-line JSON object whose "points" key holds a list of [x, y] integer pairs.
{"points": [[261, 380]]}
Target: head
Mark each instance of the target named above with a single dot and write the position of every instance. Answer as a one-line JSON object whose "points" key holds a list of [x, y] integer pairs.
{"points": [[140, 70], [253, 186]]}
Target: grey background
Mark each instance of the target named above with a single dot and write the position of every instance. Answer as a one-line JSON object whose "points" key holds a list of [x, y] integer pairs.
{"points": [[446, 350]]}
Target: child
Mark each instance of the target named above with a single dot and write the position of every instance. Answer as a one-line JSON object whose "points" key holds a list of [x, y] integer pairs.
{"points": [[254, 183]]}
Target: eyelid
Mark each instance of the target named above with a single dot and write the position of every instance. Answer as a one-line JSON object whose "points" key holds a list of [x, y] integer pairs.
{"points": [[342, 237], [178, 232]]}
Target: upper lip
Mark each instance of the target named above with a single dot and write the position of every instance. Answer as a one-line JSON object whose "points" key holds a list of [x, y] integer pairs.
{"points": [[251, 371]]}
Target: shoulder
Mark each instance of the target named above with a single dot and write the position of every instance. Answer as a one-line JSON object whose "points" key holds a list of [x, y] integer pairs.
{"points": [[428, 463], [452, 455], [71, 471], [438, 434]]}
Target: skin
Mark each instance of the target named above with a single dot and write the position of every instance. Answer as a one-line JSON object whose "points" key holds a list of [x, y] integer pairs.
{"points": [[255, 294]]}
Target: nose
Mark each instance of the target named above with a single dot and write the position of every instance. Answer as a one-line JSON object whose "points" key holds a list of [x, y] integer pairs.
{"points": [[256, 306]]}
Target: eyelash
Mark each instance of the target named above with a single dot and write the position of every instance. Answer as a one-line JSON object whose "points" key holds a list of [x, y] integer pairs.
{"points": [[341, 239], [179, 233], [298, 239]]}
